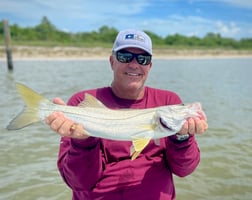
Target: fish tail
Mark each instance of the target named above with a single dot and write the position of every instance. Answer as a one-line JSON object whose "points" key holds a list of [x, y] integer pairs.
{"points": [[29, 114]]}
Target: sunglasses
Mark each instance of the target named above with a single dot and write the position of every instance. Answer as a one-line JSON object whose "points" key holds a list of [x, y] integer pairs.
{"points": [[127, 57]]}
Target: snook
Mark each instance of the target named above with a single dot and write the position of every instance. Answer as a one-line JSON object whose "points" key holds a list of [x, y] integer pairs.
{"points": [[136, 125]]}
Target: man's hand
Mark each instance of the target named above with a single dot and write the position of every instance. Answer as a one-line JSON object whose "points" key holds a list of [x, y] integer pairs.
{"points": [[196, 125], [63, 126]]}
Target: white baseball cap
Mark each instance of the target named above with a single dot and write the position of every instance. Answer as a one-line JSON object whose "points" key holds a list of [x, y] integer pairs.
{"points": [[133, 38]]}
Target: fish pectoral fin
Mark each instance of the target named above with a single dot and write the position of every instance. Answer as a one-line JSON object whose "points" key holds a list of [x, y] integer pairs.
{"points": [[148, 127], [138, 145]]}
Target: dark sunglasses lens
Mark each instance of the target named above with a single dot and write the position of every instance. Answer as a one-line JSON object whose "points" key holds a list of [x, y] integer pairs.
{"points": [[143, 59], [127, 57], [124, 57]]}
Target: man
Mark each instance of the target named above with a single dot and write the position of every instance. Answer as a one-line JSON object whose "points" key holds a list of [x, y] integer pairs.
{"points": [[96, 168]]}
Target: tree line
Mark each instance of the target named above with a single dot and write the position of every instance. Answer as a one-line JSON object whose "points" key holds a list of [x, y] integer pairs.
{"points": [[46, 34]]}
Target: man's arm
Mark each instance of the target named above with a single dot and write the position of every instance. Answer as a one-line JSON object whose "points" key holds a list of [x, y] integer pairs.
{"points": [[80, 157], [182, 156], [80, 162]]}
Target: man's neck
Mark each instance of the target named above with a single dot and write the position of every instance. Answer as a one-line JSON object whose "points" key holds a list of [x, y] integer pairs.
{"points": [[128, 94]]}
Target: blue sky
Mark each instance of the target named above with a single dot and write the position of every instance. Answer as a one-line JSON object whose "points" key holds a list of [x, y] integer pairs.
{"points": [[230, 18]]}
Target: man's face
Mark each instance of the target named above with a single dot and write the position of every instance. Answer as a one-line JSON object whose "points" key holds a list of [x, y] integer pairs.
{"points": [[129, 76]]}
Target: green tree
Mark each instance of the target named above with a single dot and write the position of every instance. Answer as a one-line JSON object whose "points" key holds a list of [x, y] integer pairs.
{"points": [[156, 40], [107, 34], [246, 43], [46, 33], [176, 40], [212, 40], [1, 30], [46, 30]]}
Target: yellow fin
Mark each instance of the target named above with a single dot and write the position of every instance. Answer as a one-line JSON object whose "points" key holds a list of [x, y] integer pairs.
{"points": [[30, 97], [139, 144], [91, 101], [29, 114]]}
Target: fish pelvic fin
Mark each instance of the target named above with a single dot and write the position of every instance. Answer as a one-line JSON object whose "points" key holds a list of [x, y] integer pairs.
{"points": [[138, 145], [29, 114]]}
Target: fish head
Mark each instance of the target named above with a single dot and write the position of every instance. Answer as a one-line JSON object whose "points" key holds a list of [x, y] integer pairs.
{"points": [[169, 123], [170, 119]]}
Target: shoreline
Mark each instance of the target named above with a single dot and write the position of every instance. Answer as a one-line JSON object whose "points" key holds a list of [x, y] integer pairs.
{"points": [[99, 53]]}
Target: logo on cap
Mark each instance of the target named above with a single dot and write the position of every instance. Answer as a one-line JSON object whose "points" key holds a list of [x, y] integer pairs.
{"points": [[134, 37]]}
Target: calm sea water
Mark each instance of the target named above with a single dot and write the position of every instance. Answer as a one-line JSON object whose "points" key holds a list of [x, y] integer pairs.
{"points": [[223, 86]]}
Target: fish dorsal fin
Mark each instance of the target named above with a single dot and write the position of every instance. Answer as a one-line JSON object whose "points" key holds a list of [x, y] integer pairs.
{"points": [[138, 145], [91, 101]]}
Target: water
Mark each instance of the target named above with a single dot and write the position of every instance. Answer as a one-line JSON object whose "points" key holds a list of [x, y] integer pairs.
{"points": [[28, 157]]}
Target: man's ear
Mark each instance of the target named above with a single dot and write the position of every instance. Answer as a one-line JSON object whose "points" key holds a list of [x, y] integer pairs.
{"points": [[111, 60], [150, 64]]}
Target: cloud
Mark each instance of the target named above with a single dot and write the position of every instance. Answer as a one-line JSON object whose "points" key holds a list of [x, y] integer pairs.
{"points": [[239, 3], [84, 15], [195, 26], [63, 13], [191, 25], [228, 30]]}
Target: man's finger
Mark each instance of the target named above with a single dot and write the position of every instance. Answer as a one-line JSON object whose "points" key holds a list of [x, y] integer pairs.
{"points": [[58, 101]]}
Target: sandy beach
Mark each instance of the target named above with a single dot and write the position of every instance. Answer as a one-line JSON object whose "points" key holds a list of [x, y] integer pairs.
{"points": [[76, 53]]}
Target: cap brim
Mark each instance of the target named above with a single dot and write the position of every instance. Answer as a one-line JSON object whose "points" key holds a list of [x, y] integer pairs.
{"points": [[132, 46]]}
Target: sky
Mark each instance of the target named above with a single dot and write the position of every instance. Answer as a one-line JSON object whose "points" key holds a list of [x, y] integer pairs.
{"points": [[230, 18]]}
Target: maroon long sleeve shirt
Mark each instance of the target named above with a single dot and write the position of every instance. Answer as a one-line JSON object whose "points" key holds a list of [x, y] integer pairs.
{"points": [[97, 168]]}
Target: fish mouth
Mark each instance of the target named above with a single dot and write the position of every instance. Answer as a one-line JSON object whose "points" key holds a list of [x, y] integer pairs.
{"points": [[164, 125]]}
